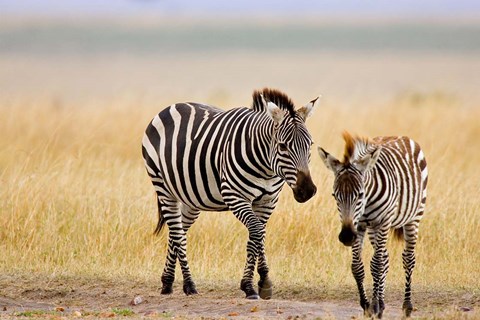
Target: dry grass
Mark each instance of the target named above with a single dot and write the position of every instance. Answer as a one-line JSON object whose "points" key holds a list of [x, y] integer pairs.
{"points": [[76, 201]]}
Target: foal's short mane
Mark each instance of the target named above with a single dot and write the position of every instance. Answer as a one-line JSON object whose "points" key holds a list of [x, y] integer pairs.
{"points": [[275, 96], [354, 146]]}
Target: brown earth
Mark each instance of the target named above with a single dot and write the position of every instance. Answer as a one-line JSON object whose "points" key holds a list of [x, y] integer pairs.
{"points": [[22, 297]]}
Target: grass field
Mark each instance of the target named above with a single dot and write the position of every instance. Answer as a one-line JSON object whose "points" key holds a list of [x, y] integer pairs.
{"points": [[77, 210], [76, 202]]}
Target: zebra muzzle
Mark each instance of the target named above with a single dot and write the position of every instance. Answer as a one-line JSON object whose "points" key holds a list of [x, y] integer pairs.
{"points": [[305, 188], [347, 236]]}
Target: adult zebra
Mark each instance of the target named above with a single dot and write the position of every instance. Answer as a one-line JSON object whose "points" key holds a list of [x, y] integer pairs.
{"points": [[380, 185], [202, 158]]}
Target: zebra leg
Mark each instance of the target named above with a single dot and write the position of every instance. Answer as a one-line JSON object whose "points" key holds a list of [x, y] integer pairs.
{"points": [[379, 269], [410, 234], [168, 275], [189, 216], [359, 272], [256, 236], [170, 213], [180, 243], [265, 285]]}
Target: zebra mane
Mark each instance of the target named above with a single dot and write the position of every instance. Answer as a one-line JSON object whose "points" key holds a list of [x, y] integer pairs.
{"points": [[275, 96], [355, 147]]}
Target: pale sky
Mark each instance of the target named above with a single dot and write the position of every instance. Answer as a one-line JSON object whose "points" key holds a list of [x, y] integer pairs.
{"points": [[424, 8]]}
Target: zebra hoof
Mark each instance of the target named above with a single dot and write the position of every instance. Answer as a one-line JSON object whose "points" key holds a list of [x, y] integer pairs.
{"points": [[167, 284], [189, 288], [247, 287], [365, 306], [374, 310], [167, 289], [265, 289], [407, 309]]}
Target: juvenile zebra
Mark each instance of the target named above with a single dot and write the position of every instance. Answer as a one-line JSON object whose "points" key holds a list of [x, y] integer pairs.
{"points": [[202, 158], [380, 185]]}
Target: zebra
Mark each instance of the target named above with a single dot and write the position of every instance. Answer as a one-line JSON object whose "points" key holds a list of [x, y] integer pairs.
{"points": [[200, 157], [380, 185]]}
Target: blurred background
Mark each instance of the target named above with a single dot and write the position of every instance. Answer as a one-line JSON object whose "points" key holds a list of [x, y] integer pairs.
{"points": [[78, 52], [80, 80]]}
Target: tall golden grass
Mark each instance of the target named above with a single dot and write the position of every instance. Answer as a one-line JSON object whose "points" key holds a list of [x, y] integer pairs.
{"points": [[75, 199]]}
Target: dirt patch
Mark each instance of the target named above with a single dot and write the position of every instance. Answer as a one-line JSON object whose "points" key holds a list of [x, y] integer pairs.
{"points": [[104, 298], [206, 306]]}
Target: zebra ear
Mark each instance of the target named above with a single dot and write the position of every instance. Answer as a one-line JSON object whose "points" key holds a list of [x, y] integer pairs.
{"points": [[307, 110], [330, 161], [368, 161], [273, 111]]}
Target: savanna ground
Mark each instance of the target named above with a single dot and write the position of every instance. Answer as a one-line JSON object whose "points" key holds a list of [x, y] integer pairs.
{"points": [[78, 210]]}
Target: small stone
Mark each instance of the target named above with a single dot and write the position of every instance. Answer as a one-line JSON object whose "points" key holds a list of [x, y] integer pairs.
{"points": [[60, 309], [76, 314], [465, 309], [4, 309], [136, 301], [254, 309], [233, 314]]}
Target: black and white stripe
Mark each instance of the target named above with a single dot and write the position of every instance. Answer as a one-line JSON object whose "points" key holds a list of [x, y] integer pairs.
{"points": [[202, 158], [380, 185]]}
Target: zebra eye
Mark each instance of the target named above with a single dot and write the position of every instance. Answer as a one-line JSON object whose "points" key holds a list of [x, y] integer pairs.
{"points": [[282, 146]]}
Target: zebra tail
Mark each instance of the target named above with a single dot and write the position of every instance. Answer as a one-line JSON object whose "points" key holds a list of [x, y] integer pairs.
{"points": [[398, 234], [161, 222]]}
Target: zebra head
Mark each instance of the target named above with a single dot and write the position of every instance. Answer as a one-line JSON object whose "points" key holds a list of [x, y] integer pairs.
{"points": [[290, 146], [349, 186]]}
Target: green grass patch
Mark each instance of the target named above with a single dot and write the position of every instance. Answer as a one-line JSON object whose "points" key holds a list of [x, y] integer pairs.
{"points": [[123, 312], [34, 313]]}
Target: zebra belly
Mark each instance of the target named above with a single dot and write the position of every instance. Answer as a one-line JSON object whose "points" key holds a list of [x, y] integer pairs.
{"points": [[405, 216], [392, 213]]}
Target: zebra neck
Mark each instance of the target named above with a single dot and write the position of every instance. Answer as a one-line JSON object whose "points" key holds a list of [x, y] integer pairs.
{"points": [[261, 136], [370, 183]]}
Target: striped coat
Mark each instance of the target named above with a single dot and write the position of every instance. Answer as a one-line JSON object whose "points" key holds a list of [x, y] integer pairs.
{"points": [[202, 158], [380, 185]]}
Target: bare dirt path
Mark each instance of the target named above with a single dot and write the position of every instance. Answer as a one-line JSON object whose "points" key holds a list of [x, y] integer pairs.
{"points": [[204, 306], [59, 298]]}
